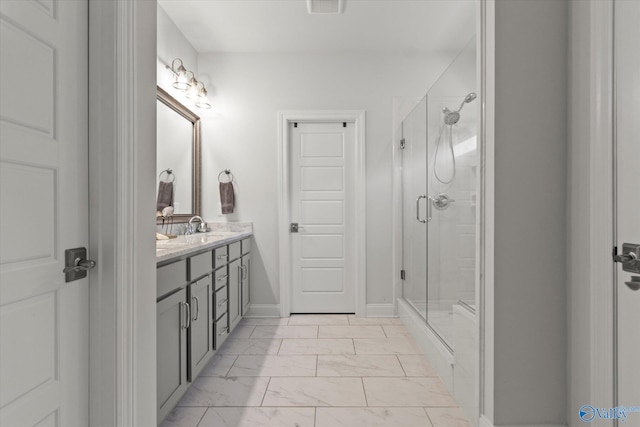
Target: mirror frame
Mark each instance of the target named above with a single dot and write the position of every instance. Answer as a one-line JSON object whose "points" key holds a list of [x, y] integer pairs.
{"points": [[171, 102]]}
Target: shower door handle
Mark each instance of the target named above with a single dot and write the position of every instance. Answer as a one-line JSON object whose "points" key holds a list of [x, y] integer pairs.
{"points": [[423, 221]]}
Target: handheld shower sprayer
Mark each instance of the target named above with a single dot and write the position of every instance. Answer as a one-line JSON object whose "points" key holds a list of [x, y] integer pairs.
{"points": [[467, 99], [450, 119]]}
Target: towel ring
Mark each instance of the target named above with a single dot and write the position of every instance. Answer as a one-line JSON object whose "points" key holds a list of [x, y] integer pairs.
{"points": [[170, 175], [228, 173]]}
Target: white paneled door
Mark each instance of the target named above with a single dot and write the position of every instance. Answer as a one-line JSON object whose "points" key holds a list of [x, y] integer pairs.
{"points": [[627, 66], [43, 211], [323, 207]]}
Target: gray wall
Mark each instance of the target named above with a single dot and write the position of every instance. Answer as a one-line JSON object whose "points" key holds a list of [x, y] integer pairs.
{"points": [[530, 207]]}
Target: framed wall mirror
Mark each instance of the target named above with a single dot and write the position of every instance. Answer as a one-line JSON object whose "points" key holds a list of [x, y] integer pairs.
{"points": [[177, 158]]}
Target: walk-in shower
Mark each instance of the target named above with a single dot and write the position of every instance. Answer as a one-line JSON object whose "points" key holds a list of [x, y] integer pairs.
{"points": [[440, 186]]}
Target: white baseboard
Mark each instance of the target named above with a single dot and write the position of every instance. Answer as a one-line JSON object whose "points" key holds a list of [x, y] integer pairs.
{"points": [[485, 422], [381, 310], [263, 310], [273, 310]]}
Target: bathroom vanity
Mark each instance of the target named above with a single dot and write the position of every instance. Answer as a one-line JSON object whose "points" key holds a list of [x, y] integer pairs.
{"points": [[202, 294]]}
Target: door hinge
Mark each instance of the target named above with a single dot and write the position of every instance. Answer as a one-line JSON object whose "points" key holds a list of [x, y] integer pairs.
{"points": [[402, 144], [402, 275]]}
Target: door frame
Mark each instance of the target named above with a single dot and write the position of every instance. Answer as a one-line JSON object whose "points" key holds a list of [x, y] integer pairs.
{"points": [[122, 295], [601, 146], [285, 118], [591, 269]]}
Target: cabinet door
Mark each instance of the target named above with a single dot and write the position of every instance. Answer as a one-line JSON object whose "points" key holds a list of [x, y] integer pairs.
{"points": [[172, 319], [200, 334], [234, 293], [245, 279]]}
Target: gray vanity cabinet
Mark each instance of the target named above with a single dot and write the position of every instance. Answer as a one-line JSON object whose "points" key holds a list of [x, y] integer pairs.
{"points": [[235, 272], [200, 332], [172, 317], [200, 300]]}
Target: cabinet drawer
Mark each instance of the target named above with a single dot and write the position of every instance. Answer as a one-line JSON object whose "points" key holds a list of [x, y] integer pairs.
{"points": [[234, 251], [221, 277], [221, 256], [170, 277], [200, 265], [222, 331], [246, 246], [220, 302]]}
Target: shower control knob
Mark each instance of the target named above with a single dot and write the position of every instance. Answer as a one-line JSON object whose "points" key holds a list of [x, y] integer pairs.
{"points": [[441, 201]]}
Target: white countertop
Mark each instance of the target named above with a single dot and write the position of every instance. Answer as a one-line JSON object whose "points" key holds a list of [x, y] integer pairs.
{"points": [[184, 245]]}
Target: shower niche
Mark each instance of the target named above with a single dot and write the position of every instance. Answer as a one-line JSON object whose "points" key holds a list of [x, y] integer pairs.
{"points": [[440, 185]]}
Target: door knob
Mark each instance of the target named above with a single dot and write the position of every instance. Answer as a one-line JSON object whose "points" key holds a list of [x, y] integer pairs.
{"points": [[630, 257], [76, 264], [625, 257], [80, 265]]}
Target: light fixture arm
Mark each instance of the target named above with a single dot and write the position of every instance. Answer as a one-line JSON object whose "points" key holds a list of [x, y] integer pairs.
{"points": [[178, 69]]}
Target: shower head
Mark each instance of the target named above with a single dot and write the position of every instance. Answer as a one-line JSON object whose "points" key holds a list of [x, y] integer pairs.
{"points": [[467, 99], [452, 117]]}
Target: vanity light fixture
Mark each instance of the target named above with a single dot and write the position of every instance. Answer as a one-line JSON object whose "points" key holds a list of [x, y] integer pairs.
{"points": [[186, 81]]}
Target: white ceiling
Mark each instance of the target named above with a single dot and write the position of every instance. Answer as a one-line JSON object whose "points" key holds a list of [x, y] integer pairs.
{"points": [[279, 26]]}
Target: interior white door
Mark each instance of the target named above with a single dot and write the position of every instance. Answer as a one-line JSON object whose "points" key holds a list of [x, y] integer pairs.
{"points": [[322, 203], [627, 66], [43, 211]]}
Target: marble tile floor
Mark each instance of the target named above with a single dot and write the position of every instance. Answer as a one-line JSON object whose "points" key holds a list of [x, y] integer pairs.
{"points": [[318, 371]]}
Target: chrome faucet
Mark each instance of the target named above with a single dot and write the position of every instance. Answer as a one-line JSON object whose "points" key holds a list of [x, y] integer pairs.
{"points": [[202, 227]]}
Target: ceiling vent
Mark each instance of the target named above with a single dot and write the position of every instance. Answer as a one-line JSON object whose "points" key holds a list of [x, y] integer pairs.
{"points": [[325, 6]]}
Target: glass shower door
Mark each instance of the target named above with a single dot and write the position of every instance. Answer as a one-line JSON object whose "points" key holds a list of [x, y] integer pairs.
{"points": [[439, 188], [415, 207], [452, 184]]}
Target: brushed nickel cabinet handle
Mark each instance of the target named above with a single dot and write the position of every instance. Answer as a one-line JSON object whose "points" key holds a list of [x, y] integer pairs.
{"points": [[197, 305]]}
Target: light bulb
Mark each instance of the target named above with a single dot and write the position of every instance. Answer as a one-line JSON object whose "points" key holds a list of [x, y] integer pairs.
{"points": [[192, 91], [203, 101]]}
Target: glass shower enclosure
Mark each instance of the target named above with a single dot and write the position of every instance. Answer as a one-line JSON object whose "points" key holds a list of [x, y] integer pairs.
{"points": [[440, 165]]}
